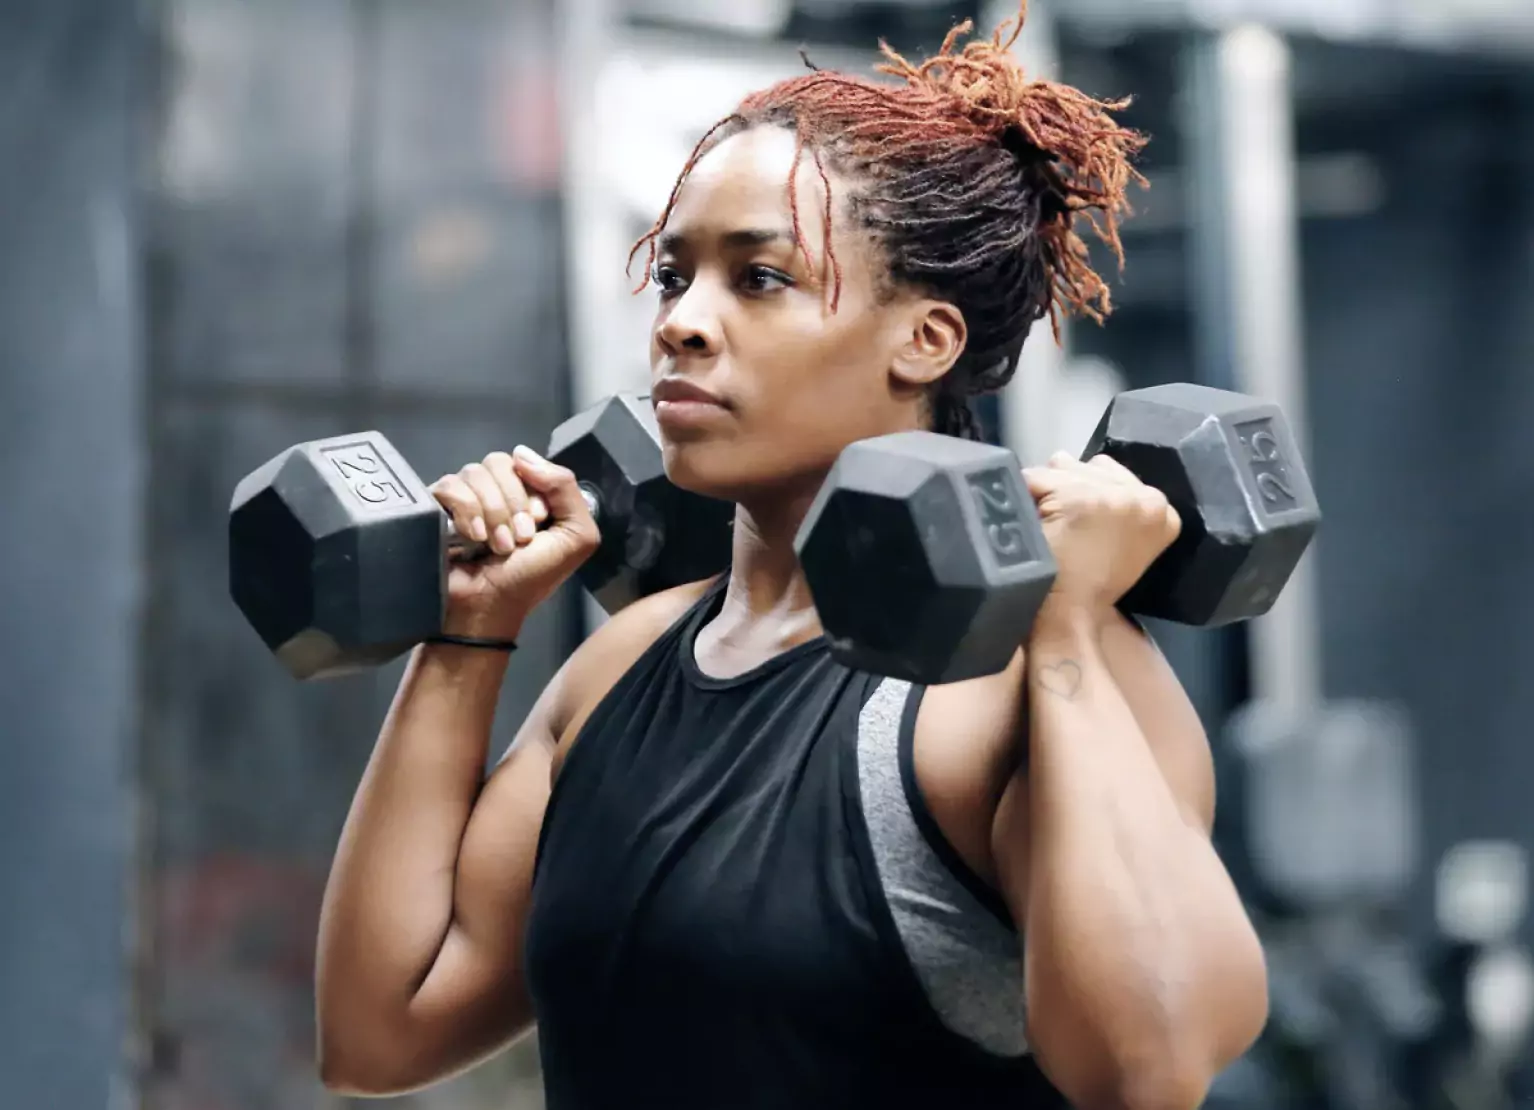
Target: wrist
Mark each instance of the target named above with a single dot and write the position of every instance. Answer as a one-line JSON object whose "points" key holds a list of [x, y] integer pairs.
{"points": [[463, 667], [477, 625], [1063, 619], [484, 650]]}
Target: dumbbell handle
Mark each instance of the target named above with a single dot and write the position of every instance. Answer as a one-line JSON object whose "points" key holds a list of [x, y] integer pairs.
{"points": [[461, 550]]}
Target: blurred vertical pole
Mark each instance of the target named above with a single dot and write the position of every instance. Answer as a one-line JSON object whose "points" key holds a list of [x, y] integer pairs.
{"points": [[71, 455], [360, 373], [1247, 304], [594, 233], [1029, 405]]}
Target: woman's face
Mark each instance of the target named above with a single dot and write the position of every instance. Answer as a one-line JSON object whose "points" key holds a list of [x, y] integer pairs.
{"points": [[758, 385]]}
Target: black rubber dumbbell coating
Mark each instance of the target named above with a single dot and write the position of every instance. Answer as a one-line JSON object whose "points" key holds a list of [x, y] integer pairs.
{"points": [[338, 552], [925, 557], [1229, 465], [657, 536], [336, 555]]}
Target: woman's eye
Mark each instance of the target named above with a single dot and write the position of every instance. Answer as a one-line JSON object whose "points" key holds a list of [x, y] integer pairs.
{"points": [[666, 279], [764, 279]]}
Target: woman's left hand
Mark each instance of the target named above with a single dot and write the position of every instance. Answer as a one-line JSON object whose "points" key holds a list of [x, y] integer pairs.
{"points": [[1103, 524]]}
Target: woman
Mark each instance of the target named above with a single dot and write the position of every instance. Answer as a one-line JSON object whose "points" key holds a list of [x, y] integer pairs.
{"points": [[720, 869]]}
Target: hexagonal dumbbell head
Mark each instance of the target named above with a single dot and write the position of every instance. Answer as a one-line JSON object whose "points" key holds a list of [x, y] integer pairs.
{"points": [[1230, 467], [654, 535], [336, 555], [925, 557]]}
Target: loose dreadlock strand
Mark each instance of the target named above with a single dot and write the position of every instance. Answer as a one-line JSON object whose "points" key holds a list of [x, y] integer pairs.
{"points": [[978, 181], [648, 239], [832, 261]]}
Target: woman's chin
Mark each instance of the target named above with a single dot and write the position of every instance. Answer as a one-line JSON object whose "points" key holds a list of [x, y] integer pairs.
{"points": [[708, 469]]}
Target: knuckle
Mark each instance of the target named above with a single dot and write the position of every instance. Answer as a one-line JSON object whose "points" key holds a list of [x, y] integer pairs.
{"points": [[447, 488], [497, 460], [513, 490]]}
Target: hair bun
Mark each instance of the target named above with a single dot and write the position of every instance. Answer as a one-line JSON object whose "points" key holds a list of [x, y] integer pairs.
{"points": [[1084, 155]]}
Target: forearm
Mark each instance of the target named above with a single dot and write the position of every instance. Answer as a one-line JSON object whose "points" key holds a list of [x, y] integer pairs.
{"points": [[1135, 932], [389, 900]]}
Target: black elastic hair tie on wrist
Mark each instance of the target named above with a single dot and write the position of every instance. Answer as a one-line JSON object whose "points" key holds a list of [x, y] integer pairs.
{"points": [[472, 642]]}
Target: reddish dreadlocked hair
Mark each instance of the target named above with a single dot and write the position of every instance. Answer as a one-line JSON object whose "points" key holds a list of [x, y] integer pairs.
{"points": [[972, 179]]}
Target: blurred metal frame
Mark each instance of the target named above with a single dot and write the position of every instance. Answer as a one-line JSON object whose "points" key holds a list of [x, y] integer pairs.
{"points": [[584, 32], [1500, 29], [1247, 304]]}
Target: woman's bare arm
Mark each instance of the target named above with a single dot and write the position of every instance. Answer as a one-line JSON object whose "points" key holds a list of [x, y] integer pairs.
{"points": [[418, 971]]}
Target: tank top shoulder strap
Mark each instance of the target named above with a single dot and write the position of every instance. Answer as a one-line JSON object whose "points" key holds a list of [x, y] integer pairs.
{"points": [[660, 655], [656, 661]]}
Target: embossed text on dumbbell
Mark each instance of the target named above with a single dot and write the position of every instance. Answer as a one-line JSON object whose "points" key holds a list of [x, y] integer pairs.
{"points": [[1269, 469], [998, 498], [366, 475]]}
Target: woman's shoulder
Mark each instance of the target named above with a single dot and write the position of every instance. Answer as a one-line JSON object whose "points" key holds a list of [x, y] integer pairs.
{"points": [[605, 656]]}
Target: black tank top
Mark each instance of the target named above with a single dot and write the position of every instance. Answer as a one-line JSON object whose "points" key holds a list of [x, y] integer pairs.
{"points": [[707, 927]]}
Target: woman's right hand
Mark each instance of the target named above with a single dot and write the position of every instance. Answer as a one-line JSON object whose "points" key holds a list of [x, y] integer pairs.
{"points": [[539, 530]]}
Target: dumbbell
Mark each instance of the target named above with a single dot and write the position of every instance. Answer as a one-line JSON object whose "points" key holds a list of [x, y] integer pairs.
{"points": [[338, 552], [927, 561]]}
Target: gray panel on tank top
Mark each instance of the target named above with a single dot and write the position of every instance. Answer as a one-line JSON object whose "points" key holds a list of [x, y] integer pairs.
{"points": [[969, 963]]}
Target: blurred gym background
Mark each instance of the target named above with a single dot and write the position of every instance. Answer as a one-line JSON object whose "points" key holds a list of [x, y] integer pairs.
{"points": [[230, 225]]}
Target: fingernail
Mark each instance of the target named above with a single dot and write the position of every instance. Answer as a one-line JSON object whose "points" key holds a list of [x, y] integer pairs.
{"points": [[527, 454], [477, 530], [505, 544], [524, 526], [539, 509]]}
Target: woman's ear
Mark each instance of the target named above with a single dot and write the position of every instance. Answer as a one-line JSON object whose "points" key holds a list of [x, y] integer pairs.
{"points": [[933, 339]]}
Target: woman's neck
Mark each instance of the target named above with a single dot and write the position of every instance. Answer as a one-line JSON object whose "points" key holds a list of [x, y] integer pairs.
{"points": [[767, 607], [765, 576]]}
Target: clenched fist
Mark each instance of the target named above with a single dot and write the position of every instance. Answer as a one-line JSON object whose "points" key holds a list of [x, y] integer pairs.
{"points": [[1104, 525], [539, 530]]}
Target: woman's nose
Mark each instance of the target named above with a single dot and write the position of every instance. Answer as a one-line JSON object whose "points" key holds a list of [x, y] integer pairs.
{"points": [[692, 325]]}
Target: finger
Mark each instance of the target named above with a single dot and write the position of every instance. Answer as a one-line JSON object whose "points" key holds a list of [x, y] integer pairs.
{"points": [[523, 526], [493, 507], [1157, 509], [462, 506], [1173, 523], [1064, 460], [1044, 480], [1111, 468], [539, 508], [555, 484]]}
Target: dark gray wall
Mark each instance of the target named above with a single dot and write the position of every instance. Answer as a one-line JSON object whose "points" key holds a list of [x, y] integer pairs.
{"points": [[70, 548], [1421, 356]]}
